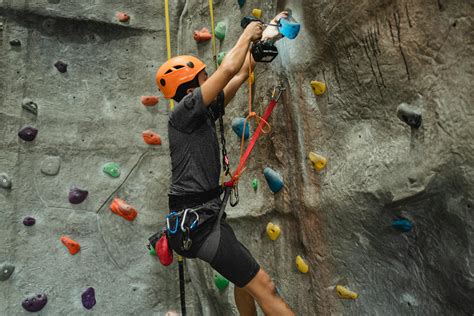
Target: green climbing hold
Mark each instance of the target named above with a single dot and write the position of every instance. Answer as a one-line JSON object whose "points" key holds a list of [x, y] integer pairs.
{"points": [[255, 184], [112, 169], [220, 281], [220, 58], [220, 30]]}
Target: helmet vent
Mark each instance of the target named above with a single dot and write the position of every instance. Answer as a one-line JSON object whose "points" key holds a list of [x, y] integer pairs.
{"points": [[163, 82], [168, 71], [190, 64], [178, 67]]}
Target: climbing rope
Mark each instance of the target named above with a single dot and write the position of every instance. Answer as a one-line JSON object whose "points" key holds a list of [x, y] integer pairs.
{"points": [[168, 40], [214, 51]]}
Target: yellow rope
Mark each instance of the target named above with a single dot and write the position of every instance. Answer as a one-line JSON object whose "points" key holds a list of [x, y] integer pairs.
{"points": [[168, 41], [213, 35]]}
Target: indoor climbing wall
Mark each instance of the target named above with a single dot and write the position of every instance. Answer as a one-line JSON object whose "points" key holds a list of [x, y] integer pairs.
{"points": [[358, 202]]}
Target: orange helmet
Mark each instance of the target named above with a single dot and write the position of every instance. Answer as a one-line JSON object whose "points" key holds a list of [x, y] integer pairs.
{"points": [[175, 72]]}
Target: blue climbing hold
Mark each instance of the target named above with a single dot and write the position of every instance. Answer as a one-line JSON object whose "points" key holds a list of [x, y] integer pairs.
{"points": [[241, 3], [274, 179], [238, 126], [402, 225], [288, 28]]}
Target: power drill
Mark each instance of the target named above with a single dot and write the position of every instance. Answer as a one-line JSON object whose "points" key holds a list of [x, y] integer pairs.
{"points": [[262, 51]]}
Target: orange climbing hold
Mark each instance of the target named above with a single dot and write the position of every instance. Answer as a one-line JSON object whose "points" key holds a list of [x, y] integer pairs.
{"points": [[121, 208], [151, 138], [122, 17], [202, 35], [71, 245], [149, 100]]}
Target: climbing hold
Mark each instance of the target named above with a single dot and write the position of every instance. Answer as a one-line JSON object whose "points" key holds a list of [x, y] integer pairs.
{"points": [[61, 66], [35, 303], [202, 35], [172, 313], [50, 166], [220, 282], [319, 162], [71, 245], [257, 13], [5, 181], [220, 30], [241, 3], [30, 106], [151, 138], [409, 115], [238, 127], [28, 133], [220, 57], [149, 100], [122, 17], [252, 77], [274, 179], [15, 42], [163, 251], [289, 28], [119, 207], [88, 298], [77, 196], [318, 87], [29, 221], [273, 231], [346, 293], [301, 265], [255, 184], [6, 271], [402, 225], [112, 169]]}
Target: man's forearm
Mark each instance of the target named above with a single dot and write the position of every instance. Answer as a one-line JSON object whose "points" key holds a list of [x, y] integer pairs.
{"points": [[236, 57]]}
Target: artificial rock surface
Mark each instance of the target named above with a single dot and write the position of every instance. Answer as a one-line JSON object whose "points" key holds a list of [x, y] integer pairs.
{"points": [[372, 55]]}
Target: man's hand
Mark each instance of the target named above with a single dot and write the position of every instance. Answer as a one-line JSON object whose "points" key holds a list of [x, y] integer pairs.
{"points": [[271, 32], [254, 30]]}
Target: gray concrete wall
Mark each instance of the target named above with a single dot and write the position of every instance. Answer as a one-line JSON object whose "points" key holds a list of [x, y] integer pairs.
{"points": [[373, 55]]}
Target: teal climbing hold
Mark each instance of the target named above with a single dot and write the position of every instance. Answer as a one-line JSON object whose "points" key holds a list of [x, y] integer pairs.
{"points": [[255, 184], [238, 127], [6, 271], [5, 181], [220, 30], [402, 225], [220, 282], [274, 179], [241, 3], [220, 58], [112, 169]]}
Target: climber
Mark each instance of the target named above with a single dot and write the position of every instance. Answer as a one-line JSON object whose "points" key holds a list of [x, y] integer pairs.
{"points": [[194, 195]]}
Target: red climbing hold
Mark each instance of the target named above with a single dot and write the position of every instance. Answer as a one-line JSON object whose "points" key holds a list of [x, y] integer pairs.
{"points": [[202, 35], [71, 245], [121, 208], [163, 251], [149, 100], [151, 138], [122, 17]]}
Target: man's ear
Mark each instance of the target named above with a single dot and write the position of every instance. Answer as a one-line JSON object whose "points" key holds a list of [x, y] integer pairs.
{"points": [[189, 90]]}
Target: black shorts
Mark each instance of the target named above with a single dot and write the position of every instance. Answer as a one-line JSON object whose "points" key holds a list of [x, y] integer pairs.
{"points": [[232, 260]]}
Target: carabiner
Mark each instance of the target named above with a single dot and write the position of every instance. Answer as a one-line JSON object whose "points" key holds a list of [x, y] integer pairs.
{"points": [[176, 225], [280, 91], [234, 196], [193, 224]]}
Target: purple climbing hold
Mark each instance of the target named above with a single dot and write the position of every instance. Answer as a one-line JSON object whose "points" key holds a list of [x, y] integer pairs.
{"points": [[29, 221], [61, 66], [28, 133], [35, 303], [77, 196], [88, 298]]}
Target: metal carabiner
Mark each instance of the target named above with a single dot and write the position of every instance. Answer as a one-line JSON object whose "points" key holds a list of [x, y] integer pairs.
{"points": [[234, 196], [193, 224], [280, 91], [176, 225]]}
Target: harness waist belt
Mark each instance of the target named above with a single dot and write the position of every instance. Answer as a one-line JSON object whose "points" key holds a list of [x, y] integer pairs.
{"points": [[189, 200]]}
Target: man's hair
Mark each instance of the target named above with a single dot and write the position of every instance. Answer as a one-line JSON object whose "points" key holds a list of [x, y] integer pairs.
{"points": [[183, 88]]}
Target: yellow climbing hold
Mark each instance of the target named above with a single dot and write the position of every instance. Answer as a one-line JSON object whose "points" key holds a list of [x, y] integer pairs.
{"points": [[346, 293], [273, 231], [318, 87], [301, 265], [257, 13], [319, 162], [252, 78]]}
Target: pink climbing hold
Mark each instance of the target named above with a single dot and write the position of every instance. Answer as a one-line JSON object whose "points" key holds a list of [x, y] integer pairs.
{"points": [[28, 133], [122, 17]]}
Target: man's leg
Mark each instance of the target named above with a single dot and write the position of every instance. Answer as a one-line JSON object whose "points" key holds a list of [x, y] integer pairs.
{"points": [[264, 291], [245, 302]]}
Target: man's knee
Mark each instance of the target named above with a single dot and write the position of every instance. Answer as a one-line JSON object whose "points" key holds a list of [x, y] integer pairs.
{"points": [[261, 285]]}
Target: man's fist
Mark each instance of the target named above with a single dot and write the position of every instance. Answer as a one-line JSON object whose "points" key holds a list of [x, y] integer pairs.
{"points": [[271, 32]]}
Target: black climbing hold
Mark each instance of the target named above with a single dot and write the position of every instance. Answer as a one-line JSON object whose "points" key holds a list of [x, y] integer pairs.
{"points": [[61, 66], [5, 181], [28, 133], [30, 106], [77, 196], [88, 298], [6, 271], [29, 221], [409, 115], [35, 303], [15, 42]]}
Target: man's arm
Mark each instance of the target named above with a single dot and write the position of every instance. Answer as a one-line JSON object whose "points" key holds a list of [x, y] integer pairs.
{"points": [[232, 64]]}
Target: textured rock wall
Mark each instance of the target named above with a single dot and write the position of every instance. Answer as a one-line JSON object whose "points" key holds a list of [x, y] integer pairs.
{"points": [[373, 55]]}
